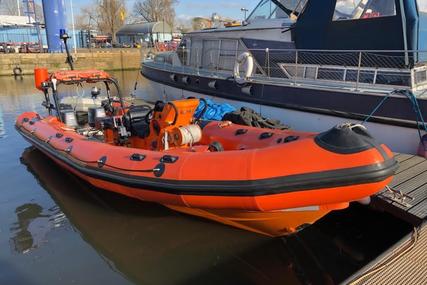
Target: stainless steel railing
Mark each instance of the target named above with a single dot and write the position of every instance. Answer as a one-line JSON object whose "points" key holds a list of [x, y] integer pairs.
{"points": [[355, 68]]}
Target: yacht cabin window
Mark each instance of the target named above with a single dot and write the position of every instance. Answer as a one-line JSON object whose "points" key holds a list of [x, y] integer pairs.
{"points": [[276, 9], [265, 10], [363, 9]]}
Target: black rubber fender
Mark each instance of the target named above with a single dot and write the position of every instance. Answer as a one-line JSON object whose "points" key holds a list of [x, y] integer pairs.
{"points": [[17, 71]]}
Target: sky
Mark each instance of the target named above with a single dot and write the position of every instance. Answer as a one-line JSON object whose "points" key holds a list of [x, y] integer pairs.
{"points": [[230, 8], [187, 9]]}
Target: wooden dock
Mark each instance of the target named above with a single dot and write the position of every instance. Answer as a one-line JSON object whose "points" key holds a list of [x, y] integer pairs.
{"points": [[405, 198]]}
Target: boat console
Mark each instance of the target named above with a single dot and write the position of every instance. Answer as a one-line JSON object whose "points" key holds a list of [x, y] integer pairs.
{"points": [[160, 127]]}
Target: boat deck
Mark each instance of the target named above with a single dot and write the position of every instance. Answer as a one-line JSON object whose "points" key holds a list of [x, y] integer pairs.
{"points": [[407, 196], [406, 261]]}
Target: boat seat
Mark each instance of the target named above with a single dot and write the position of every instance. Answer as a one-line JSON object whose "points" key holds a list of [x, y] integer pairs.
{"points": [[140, 129], [135, 120]]}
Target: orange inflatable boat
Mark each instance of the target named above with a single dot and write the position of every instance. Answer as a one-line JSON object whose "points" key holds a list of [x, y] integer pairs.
{"points": [[272, 182]]}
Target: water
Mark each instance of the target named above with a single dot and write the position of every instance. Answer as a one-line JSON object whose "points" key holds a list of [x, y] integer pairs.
{"points": [[57, 229]]}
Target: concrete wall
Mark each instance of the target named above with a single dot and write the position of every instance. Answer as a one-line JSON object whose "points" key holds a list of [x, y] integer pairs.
{"points": [[120, 59]]}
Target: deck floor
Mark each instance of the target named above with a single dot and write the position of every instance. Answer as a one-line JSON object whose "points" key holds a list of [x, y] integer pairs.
{"points": [[406, 262], [408, 201]]}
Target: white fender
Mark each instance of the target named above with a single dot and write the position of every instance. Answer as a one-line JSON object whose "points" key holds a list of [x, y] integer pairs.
{"points": [[365, 201], [246, 61]]}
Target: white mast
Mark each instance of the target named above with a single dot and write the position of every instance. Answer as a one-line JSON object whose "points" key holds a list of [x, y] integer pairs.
{"points": [[19, 7], [73, 26]]}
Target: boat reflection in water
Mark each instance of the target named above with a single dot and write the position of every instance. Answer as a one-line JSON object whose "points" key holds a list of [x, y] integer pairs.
{"points": [[150, 244], [32, 226]]}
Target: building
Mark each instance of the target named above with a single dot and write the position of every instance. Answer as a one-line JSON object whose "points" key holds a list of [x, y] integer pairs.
{"points": [[20, 30], [17, 30], [146, 34]]}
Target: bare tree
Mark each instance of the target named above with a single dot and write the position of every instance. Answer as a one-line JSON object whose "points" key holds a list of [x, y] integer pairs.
{"points": [[11, 7], [106, 16], [87, 19], [39, 13], [110, 16], [156, 10]]}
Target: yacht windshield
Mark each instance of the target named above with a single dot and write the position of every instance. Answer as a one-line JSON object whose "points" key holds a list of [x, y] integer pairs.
{"points": [[276, 9], [295, 6], [363, 9]]}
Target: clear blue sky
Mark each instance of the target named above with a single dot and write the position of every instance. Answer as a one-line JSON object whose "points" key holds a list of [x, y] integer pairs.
{"points": [[191, 8], [230, 8]]}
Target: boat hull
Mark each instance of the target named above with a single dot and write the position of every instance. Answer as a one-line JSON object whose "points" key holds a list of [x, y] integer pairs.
{"points": [[273, 224], [272, 207], [269, 223]]}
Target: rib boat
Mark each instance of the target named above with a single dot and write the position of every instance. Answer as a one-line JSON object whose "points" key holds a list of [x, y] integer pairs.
{"points": [[272, 182]]}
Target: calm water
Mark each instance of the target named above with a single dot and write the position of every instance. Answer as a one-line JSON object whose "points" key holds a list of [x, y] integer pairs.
{"points": [[57, 229]]}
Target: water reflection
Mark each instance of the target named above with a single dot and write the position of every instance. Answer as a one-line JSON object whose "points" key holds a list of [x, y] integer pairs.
{"points": [[32, 226], [2, 130], [23, 238], [150, 244], [18, 77]]}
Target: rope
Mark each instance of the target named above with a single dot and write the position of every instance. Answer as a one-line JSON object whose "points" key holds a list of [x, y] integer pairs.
{"points": [[419, 118], [376, 108], [112, 166], [417, 110], [191, 134]]}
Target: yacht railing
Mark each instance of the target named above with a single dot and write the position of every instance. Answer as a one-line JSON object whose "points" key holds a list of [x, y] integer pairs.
{"points": [[351, 68], [381, 67]]}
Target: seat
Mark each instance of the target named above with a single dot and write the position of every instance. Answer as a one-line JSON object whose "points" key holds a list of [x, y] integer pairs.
{"points": [[140, 129]]}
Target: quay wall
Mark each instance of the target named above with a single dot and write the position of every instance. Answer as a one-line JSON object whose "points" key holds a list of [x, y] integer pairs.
{"points": [[112, 59]]}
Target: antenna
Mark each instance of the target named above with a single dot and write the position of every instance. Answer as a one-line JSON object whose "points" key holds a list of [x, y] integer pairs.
{"points": [[64, 36]]}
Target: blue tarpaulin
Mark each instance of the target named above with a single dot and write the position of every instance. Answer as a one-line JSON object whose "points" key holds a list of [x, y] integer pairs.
{"points": [[215, 111]]}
